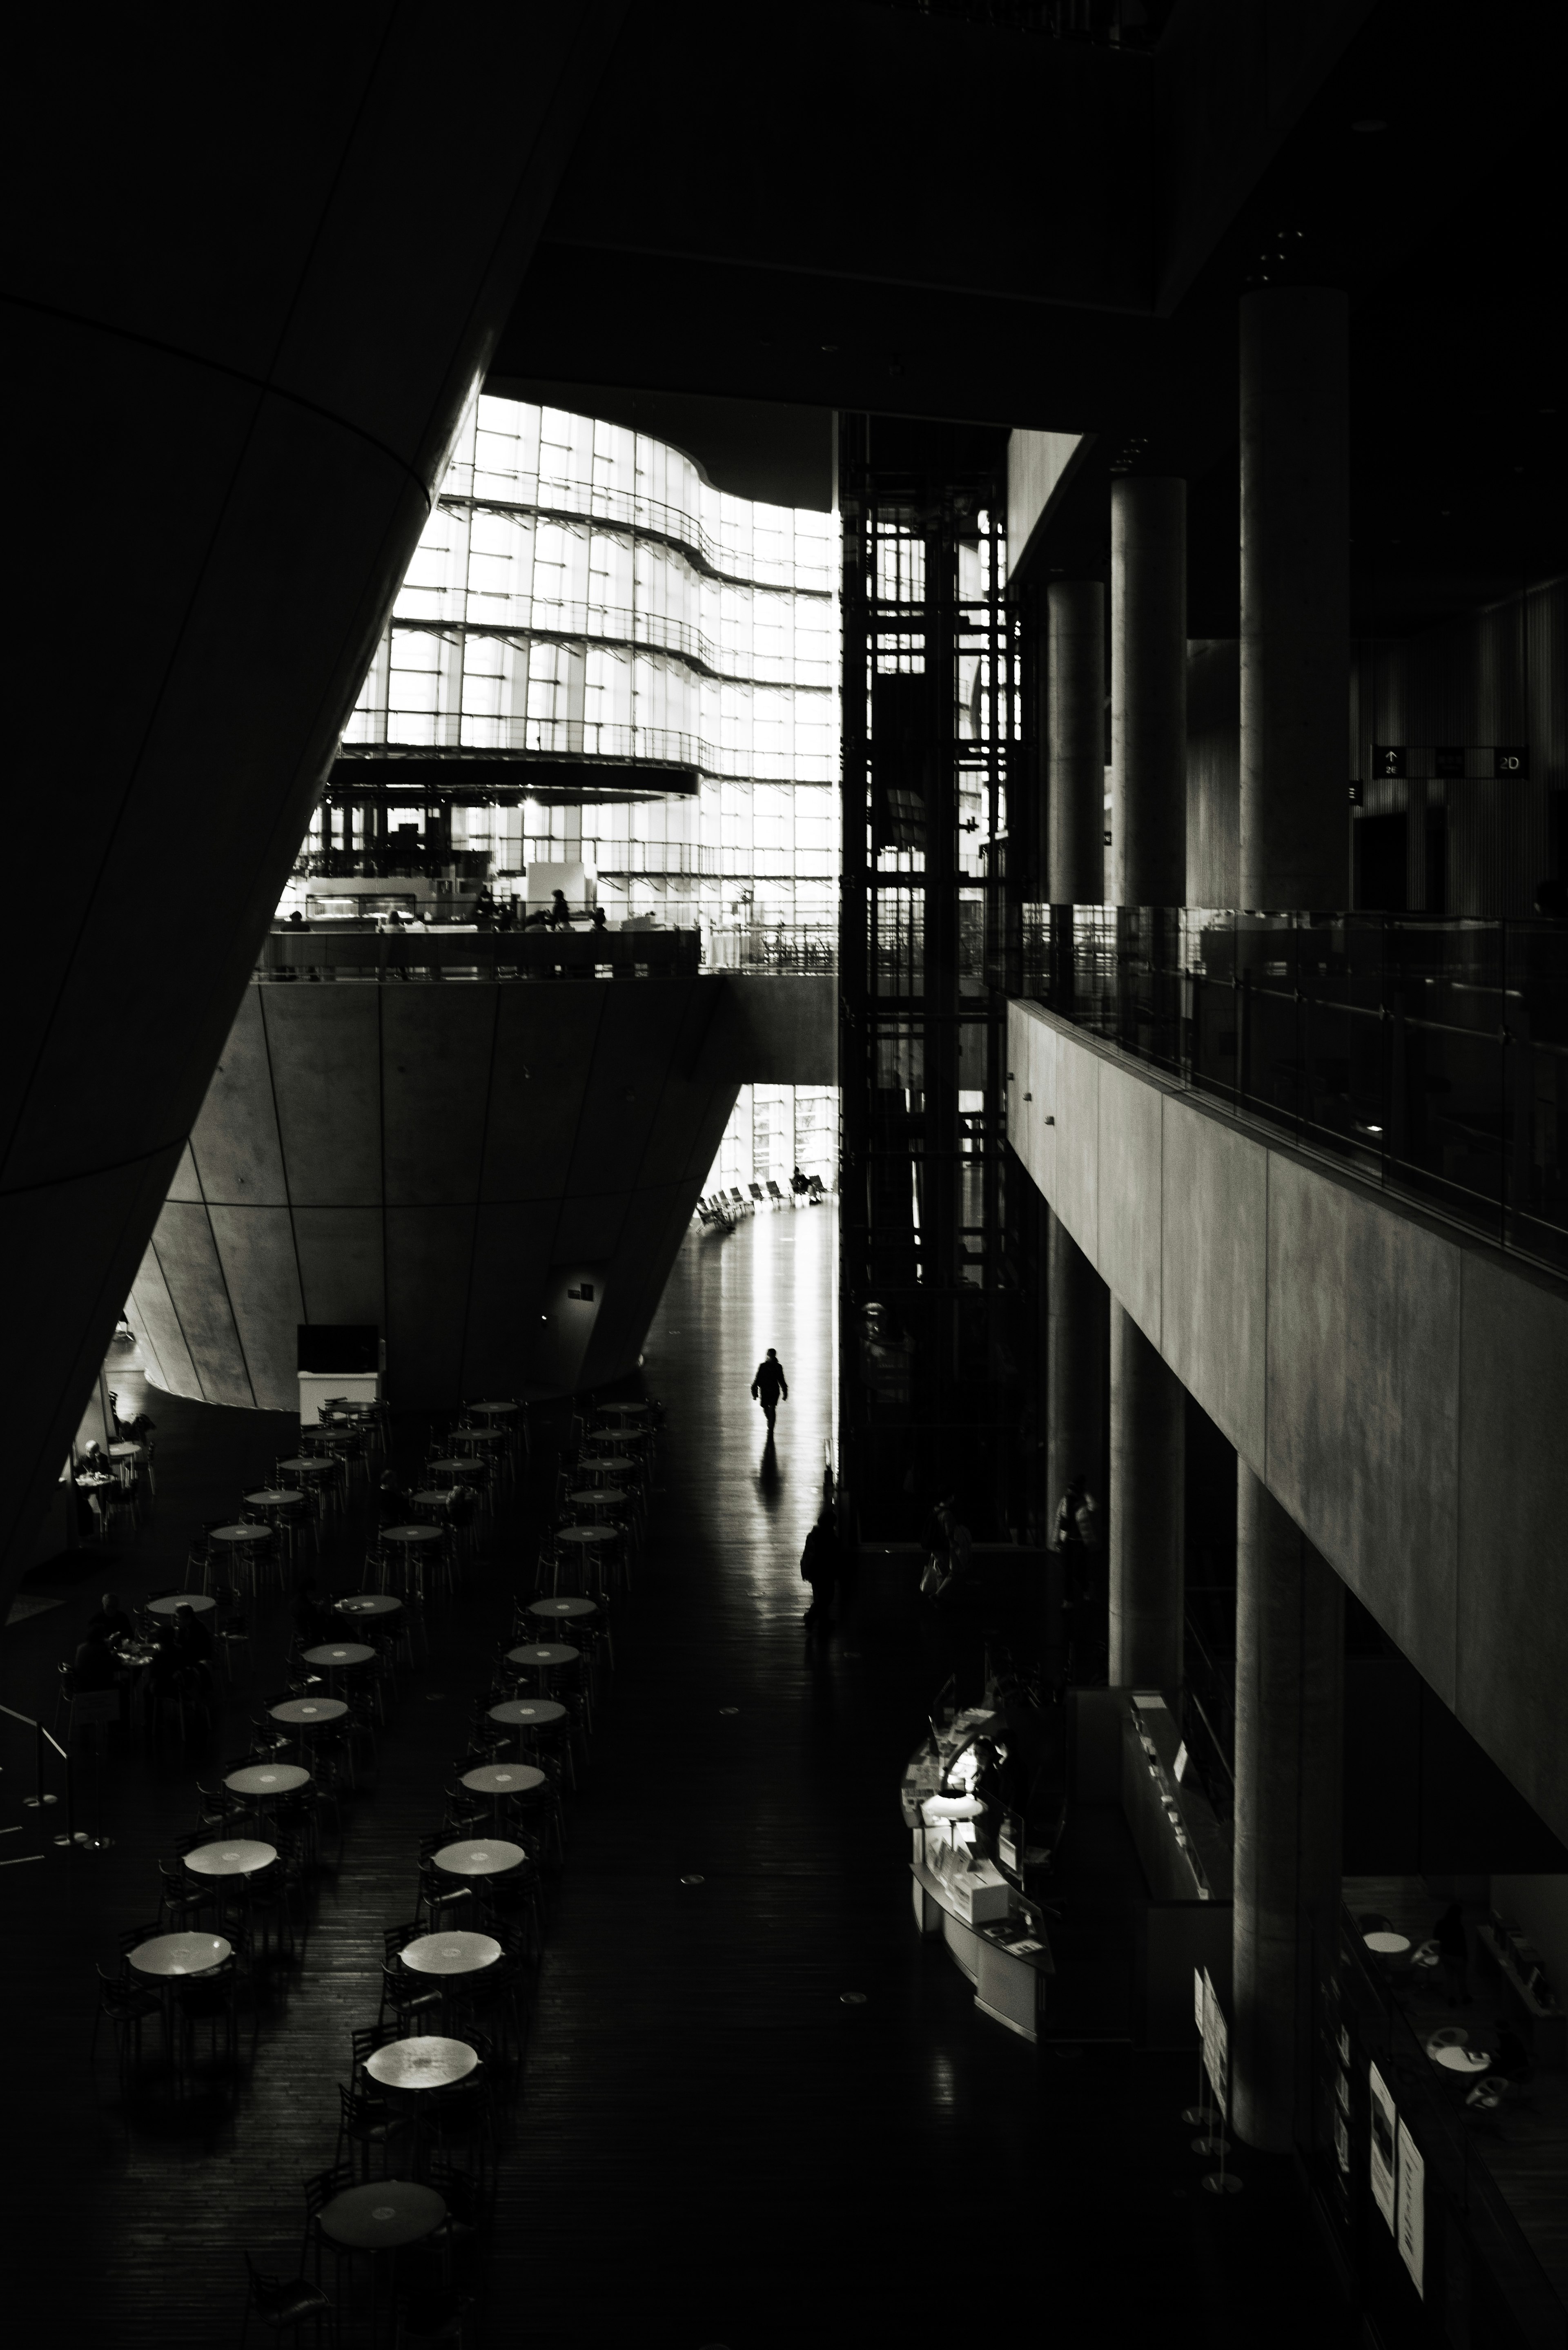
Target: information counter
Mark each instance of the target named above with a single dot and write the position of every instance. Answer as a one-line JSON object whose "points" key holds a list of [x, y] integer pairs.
{"points": [[995, 1935]]}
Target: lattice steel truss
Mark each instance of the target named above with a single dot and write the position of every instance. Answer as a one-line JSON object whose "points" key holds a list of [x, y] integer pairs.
{"points": [[936, 1370]]}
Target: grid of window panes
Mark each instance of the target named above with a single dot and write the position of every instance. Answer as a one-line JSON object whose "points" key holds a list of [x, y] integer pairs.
{"points": [[581, 592]]}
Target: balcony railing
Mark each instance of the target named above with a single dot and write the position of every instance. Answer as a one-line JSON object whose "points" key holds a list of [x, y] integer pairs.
{"points": [[772, 950], [366, 953], [1431, 1055]]}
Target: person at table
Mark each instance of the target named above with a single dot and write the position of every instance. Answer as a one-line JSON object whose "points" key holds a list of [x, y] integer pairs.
{"points": [[110, 1619], [313, 1618], [94, 1665], [819, 1567], [598, 919], [769, 1387], [192, 1641], [560, 912]]}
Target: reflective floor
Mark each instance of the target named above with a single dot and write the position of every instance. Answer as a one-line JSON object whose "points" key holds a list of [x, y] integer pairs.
{"points": [[711, 2146]]}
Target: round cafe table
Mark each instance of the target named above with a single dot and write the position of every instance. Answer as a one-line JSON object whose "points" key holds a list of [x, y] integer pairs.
{"points": [[126, 1451], [587, 1538], [525, 1714], [561, 1611], [423, 2061], [302, 1466], [235, 1537], [598, 1497], [503, 1778], [276, 1497], [606, 1465], [340, 1657], [240, 1858], [411, 1534], [459, 1470], [382, 2215], [1461, 2060], [168, 1955], [308, 1712], [451, 1954], [1386, 1943], [624, 1410], [472, 1435], [369, 1603], [500, 1409], [267, 1779], [435, 1497], [481, 1857], [197, 1601], [542, 1652]]}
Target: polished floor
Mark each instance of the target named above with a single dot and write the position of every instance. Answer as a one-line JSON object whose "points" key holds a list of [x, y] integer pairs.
{"points": [[713, 2145]]}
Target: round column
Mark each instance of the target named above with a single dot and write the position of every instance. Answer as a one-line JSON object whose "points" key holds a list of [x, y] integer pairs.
{"points": [[1075, 626], [1295, 600], [1290, 1639], [1147, 1499], [1149, 692]]}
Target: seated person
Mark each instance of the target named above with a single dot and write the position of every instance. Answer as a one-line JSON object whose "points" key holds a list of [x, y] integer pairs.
{"points": [[192, 1639], [297, 921], [560, 912], [94, 1664], [110, 1620], [506, 920], [598, 919]]}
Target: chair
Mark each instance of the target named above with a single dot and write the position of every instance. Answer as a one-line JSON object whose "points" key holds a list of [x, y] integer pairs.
{"points": [[366, 2122], [432, 2314], [417, 2000], [319, 2190], [128, 2007], [282, 2304]]}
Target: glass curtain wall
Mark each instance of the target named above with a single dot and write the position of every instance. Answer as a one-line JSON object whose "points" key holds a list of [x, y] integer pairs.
{"points": [[582, 594]]}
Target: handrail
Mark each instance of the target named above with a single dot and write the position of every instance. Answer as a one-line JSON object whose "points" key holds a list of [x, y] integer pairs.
{"points": [[38, 1800], [383, 955], [1427, 1053]]}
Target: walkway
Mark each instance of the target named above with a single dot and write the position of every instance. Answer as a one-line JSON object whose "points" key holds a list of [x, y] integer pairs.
{"points": [[712, 2147]]}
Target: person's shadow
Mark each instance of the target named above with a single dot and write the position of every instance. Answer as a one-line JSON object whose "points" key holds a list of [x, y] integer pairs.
{"points": [[769, 1483]]}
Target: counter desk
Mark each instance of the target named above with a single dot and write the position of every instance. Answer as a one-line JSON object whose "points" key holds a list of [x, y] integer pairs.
{"points": [[991, 1931]]}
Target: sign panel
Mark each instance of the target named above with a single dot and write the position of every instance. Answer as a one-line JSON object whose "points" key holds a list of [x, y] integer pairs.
{"points": [[1410, 2229], [1216, 2046], [1388, 758], [1511, 760], [1384, 2145], [1448, 759]]}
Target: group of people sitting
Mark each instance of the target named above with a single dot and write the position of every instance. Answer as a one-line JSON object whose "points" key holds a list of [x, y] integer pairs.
{"points": [[181, 1644]]}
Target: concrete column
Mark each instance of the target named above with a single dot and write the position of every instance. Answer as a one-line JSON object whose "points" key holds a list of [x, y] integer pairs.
{"points": [[1290, 1641], [1077, 1303], [1148, 1485], [1295, 598], [1076, 625], [1149, 692]]}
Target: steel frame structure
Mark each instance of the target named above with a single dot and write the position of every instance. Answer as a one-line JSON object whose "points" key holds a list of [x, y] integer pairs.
{"points": [[936, 1322]]}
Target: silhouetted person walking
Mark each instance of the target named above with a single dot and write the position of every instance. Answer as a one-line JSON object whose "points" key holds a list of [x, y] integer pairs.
{"points": [[819, 1567], [769, 1387]]}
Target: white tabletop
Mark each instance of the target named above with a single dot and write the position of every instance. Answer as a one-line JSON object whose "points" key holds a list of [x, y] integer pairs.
{"points": [[421, 2061], [241, 1859], [412, 1534], [267, 1779], [451, 1954], [1461, 2060], [304, 1466], [562, 1610], [240, 1534], [1387, 1944], [586, 1534], [369, 1603], [484, 1856], [351, 1652], [523, 1712], [180, 1954], [197, 1601], [383, 2214], [309, 1710], [593, 1497], [503, 1778], [542, 1652], [276, 1497], [493, 1406]]}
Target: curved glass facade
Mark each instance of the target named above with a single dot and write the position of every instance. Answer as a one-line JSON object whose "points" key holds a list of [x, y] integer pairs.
{"points": [[582, 593]]}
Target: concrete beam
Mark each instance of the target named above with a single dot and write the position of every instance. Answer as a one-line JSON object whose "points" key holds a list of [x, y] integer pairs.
{"points": [[1399, 1387]]}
